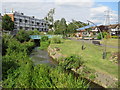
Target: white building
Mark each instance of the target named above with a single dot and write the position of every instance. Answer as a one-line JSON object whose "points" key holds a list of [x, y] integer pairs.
{"points": [[22, 21]]}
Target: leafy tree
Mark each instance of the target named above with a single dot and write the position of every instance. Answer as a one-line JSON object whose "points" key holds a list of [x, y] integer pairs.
{"points": [[71, 28], [60, 27], [22, 36], [49, 18], [7, 23]]}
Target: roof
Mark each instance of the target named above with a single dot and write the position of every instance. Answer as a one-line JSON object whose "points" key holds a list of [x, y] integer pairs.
{"points": [[86, 27]]}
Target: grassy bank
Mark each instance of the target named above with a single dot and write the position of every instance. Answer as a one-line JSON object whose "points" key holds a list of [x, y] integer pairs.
{"points": [[92, 55], [111, 42]]}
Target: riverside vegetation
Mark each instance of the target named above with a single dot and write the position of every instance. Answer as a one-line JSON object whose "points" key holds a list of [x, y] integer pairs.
{"points": [[18, 70]]}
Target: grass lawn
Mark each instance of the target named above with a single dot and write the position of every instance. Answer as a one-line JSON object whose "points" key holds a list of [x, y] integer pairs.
{"points": [[92, 55], [111, 42]]}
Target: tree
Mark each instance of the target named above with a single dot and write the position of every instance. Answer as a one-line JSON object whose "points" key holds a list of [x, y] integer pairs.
{"points": [[75, 25], [60, 26], [49, 18], [7, 23]]}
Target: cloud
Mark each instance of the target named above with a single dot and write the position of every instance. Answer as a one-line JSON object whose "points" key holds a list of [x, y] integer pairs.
{"points": [[80, 3], [27, 0], [98, 14], [81, 11]]}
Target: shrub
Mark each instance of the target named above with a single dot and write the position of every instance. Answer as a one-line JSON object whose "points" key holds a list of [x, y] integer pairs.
{"points": [[44, 42], [56, 39], [22, 36], [44, 45], [104, 34], [73, 61], [115, 37], [44, 38]]}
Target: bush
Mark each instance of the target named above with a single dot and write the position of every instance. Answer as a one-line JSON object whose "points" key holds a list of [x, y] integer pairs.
{"points": [[22, 36], [104, 34], [44, 45], [44, 38], [44, 42], [115, 37], [73, 61], [56, 39]]}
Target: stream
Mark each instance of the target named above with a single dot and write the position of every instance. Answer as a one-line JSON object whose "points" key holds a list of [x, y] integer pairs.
{"points": [[42, 57]]}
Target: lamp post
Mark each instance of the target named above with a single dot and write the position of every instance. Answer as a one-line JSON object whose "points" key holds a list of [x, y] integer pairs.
{"points": [[104, 52]]}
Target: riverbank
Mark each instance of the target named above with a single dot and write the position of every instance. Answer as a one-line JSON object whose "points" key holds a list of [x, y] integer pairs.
{"points": [[102, 78]]}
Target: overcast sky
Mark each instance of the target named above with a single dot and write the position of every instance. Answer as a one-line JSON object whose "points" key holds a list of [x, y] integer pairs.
{"points": [[81, 10]]}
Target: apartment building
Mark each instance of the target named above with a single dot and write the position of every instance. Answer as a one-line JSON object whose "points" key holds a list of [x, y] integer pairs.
{"points": [[22, 21]]}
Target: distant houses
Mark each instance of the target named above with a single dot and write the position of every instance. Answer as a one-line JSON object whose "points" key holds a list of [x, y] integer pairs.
{"points": [[91, 30]]}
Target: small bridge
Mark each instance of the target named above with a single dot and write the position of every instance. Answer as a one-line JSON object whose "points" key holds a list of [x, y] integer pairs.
{"points": [[39, 36]]}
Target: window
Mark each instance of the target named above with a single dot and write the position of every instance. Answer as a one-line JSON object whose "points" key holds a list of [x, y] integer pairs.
{"points": [[38, 23], [15, 19], [26, 21], [32, 22], [32, 28], [20, 20], [41, 23]]}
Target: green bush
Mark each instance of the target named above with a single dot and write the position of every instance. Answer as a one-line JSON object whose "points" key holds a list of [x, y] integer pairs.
{"points": [[44, 38], [44, 42], [44, 45], [22, 36], [73, 61], [104, 34], [56, 39], [115, 37]]}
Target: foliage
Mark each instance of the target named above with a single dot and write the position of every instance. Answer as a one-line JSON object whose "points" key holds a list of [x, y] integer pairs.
{"points": [[51, 32], [49, 18], [56, 39], [104, 34], [115, 37], [22, 36], [7, 23], [46, 77], [33, 32], [18, 70], [44, 38], [44, 42], [41, 77], [72, 26], [44, 45], [14, 52], [62, 79], [72, 62], [60, 26], [5, 40]]}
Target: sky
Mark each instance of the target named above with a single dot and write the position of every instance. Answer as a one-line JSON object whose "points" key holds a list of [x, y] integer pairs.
{"points": [[80, 10]]}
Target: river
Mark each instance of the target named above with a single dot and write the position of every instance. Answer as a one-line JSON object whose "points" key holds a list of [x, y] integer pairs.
{"points": [[42, 57]]}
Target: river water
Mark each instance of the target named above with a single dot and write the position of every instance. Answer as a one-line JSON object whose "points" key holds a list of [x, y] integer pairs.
{"points": [[42, 57]]}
